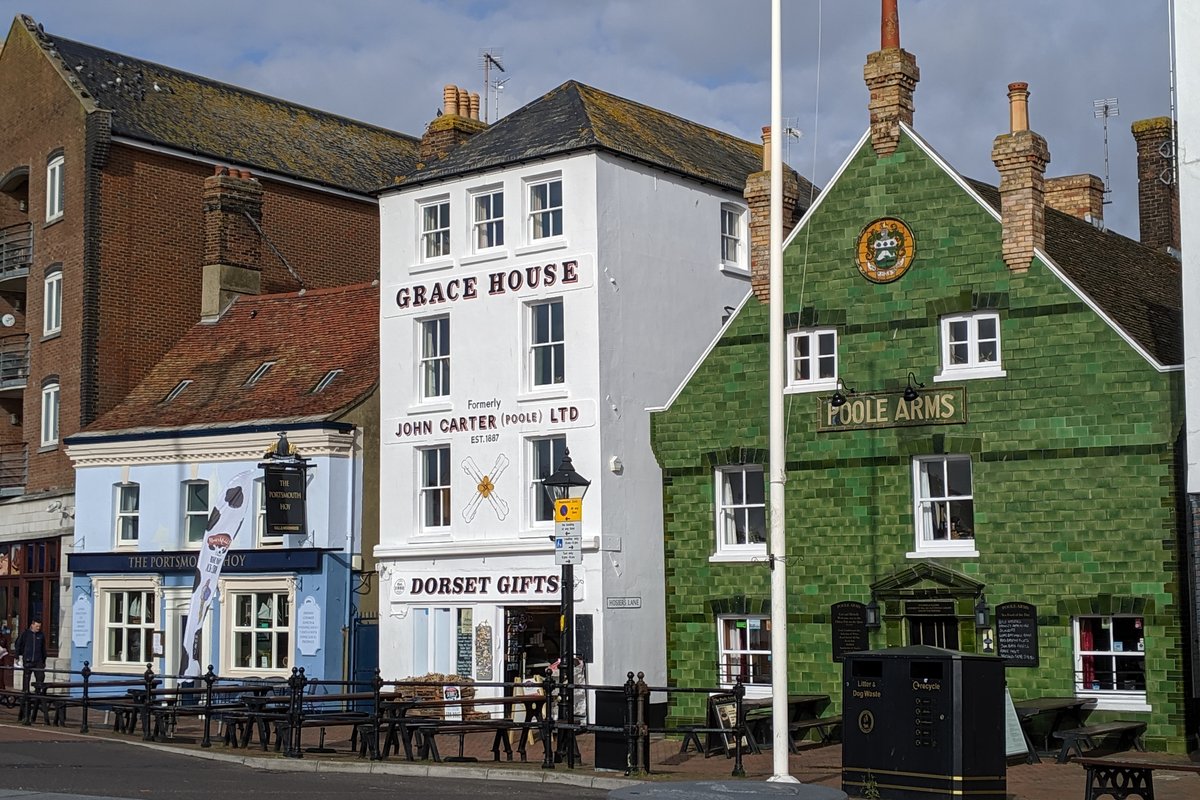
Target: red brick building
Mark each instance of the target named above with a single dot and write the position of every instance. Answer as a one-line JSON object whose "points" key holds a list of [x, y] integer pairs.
{"points": [[104, 248]]}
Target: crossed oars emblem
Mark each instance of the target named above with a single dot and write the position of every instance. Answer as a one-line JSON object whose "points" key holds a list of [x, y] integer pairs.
{"points": [[485, 487]]}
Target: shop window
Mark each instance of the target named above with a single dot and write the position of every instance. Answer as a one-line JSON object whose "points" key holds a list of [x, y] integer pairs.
{"points": [[130, 620], [261, 631], [195, 511], [1110, 659], [745, 650], [944, 507], [970, 346], [128, 500], [434, 641], [741, 511]]}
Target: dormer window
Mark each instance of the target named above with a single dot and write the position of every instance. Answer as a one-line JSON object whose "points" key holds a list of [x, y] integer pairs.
{"points": [[258, 373], [183, 384], [328, 379]]}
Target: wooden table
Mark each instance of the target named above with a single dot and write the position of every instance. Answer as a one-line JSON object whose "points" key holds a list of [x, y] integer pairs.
{"points": [[1064, 712], [1129, 774], [757, 715], [401, 723]]}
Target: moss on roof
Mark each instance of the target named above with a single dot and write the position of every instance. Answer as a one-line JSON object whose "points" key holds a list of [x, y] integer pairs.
{"points": [[165, 106]]}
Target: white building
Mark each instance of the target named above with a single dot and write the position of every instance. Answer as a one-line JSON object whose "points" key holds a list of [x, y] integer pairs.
{"points": [[544, 283]]}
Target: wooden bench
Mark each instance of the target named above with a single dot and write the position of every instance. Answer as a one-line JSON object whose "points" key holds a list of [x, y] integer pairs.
{"points": [[1128, 733], [825, 726], [1122, 777], [429, 731]]}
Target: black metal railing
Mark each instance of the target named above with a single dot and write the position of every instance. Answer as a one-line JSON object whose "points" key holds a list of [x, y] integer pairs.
{"points": [[14, 360], [16, 249]]}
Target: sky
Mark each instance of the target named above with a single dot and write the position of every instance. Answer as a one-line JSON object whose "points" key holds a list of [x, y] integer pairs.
{"points": [[385, 62]]}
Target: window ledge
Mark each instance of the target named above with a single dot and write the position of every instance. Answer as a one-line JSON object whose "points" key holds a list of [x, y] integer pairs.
{"points": [[969, 374], [52, 335], [54, 221], [556, 393], [48, 448], [738, 558], [479, 258], [964, 553], [430, 408], [810, 388], [431, 266], [1114, 701], [733, 269], [541, 246]]}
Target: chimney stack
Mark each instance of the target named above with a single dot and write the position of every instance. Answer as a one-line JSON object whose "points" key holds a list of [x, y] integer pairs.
{"points": [[891, 74], [232, 243], [1021, 157], [1158, 193], [758, 198], [1080, 196], [458, 121]]}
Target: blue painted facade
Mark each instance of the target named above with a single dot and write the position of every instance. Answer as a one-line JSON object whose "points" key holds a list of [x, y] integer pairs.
{"points": [[296, 591]]}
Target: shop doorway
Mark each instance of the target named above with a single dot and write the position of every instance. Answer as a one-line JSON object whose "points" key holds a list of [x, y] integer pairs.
{"points": [[176, 604], [531, 640]]}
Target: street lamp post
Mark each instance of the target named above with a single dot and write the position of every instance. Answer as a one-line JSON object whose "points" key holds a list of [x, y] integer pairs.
{"points": [[566, 489]]}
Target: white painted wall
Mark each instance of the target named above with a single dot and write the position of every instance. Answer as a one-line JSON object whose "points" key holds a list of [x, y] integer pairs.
{"points": [[1187, 77], [647, 299]]}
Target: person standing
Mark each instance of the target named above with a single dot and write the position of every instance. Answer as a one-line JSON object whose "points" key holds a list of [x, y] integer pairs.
{"points": [[30, 647]]}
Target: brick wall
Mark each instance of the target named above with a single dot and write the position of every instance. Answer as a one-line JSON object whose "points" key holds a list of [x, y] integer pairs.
{"points": [[1072, 452]]}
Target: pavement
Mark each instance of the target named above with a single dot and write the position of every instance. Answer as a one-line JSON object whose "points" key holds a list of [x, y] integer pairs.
{"points": [[814, 763]]}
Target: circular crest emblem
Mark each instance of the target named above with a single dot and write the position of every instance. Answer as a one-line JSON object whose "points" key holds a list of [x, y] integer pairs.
{"points": [[885, 250]]}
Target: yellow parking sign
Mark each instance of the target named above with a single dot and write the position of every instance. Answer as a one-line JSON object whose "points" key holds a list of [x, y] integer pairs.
{"points": [[569, 509]]}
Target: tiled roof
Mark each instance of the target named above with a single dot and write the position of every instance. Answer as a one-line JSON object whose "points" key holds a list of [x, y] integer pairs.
{"points": [[306, 335], [577, 117], [165, 106], [1138, 287]]}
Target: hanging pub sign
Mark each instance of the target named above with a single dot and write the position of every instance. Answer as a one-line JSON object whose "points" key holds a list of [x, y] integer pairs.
{"points": [[1017, 634], [284, 484], [848, 621]]}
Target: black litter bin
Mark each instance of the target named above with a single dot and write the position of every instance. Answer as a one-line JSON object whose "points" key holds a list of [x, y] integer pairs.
{"points": [[923, 722]]}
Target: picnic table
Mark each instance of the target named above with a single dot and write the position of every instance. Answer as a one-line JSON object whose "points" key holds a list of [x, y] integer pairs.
{"points": [[1062, 712], [803, 715], [402, 725], [1129, 774]]}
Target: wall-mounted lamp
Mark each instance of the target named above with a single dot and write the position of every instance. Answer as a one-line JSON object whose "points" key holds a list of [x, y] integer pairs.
{"points": [[838, 400], [910, 392], [873, 614], [981, 613]]}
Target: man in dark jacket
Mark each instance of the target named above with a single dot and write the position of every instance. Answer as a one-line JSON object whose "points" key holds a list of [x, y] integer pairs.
{"points": [[30, 647]]}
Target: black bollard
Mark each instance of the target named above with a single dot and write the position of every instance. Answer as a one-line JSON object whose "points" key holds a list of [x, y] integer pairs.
{"points": [[377, 690], [148, 676], [209, 679], [548, 721], [643, 692], [739, 691], [630, 725], [86, 672]]}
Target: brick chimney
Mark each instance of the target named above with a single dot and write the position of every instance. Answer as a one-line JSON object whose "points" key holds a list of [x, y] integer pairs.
{"points": [[1080, 196], [1021, 157], [458, 122], [891, 75], [1158, 193], [758, 197], [232, 244]]}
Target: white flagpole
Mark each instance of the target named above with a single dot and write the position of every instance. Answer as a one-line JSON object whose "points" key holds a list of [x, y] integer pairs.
{"points": [[777, 452]]}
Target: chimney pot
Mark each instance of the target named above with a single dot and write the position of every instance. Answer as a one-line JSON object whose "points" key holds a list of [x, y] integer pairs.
{"points": [[464, 103], [1021, 157], [474, 105], [766, 140], [450, 99], [1018, 107], [891, 75], [889, 27]]}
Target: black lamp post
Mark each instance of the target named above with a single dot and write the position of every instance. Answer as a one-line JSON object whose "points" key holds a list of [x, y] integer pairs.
{"points": [[565, 483]]}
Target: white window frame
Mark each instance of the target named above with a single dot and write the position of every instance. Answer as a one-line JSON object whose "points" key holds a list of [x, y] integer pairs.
{"points": [[434, 242], [489, 227], [191, 515], [259, 373], [434, 640], [119, 514], [444, 491], [973, 368], [534, 214], [103, 590], [538, 500], [725, 676], [1110, 699], [557, 348], [723, 508], [260, 517], [434, 365], [56, 184], [230, 588], [50, 412], [52, 304], [815, 338], [735, 216], [926, 506]]}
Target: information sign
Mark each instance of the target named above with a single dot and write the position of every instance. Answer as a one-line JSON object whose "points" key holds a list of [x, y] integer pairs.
{"points": [[569, 509]]}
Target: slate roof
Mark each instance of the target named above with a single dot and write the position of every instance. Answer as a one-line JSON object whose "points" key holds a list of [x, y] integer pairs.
{"points": [[576, 117], [165, 106], [1137, 286], [306, 335]]}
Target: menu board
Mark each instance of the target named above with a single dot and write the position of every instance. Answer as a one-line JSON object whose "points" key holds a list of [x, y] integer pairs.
{"points": [[466, 644], [1017, 634], [848, 628]]}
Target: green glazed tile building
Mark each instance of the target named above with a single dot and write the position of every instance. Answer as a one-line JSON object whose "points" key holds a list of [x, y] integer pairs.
{"points": [[984, 416]]}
